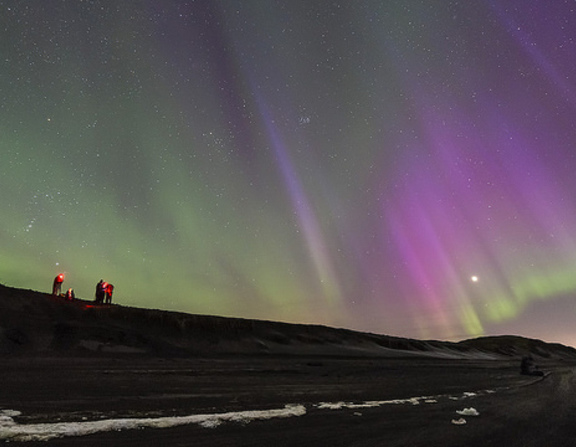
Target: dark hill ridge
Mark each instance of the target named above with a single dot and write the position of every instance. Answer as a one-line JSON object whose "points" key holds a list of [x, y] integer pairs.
{"points": [[34, 323]]}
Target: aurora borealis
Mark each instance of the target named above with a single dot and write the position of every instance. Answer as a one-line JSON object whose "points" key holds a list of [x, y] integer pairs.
{"points": [[354, 164]]}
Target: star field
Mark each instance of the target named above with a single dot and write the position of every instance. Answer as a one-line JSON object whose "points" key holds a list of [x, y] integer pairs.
{"points": [[405, 168]]}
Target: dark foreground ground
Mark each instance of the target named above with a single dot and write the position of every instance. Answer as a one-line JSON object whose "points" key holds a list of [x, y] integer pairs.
{"points": [[513, 410]]}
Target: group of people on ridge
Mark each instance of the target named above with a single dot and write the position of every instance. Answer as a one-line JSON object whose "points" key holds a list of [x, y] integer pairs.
{"points": [[57, 288], [103, 290]]}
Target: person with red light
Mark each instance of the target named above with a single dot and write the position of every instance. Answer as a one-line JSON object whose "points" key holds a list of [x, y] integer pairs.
{"points": [[109, 290], [57, 284], [70, 294]]}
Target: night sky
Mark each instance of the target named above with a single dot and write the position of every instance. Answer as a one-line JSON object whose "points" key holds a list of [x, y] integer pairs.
{"points": [[399, 167]]}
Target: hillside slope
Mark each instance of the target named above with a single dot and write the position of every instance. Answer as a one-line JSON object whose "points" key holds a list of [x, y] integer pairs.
{"points": [[34, 323]]}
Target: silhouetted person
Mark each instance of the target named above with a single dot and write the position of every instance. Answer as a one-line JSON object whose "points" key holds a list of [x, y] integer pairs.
{"points": [[70, 294], [100, 291], [109, 290], [57, 284]]}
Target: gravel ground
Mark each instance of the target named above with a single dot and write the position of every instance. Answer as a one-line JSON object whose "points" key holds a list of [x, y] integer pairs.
{"points": [[513, 410]]}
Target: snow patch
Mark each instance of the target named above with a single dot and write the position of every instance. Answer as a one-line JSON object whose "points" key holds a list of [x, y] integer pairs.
{"points": [[331, 405], [468, 412], [11, 431], [411, 400], [6, 418], [372, 404]]}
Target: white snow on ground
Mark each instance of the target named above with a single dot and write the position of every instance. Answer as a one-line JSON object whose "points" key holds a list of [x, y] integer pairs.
{"points": [[11, 431], [411, 400], [460, 421], [468, 412], [370, 404], [6, 417]]}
